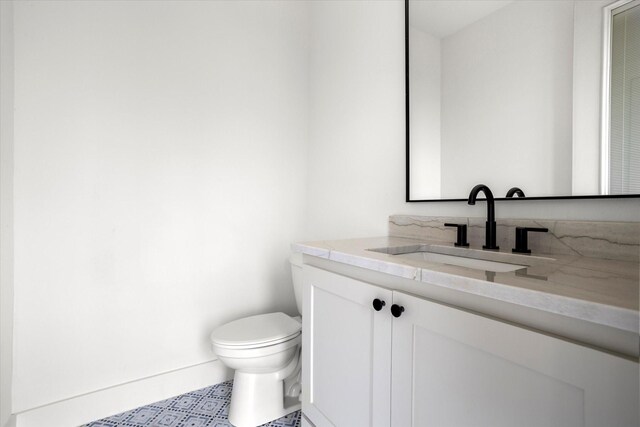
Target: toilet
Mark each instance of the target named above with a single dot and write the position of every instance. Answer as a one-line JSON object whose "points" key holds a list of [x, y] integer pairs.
{"points": [[264, 350]]}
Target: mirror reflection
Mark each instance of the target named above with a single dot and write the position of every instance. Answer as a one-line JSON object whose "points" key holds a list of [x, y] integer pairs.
{"points": [[621, 143], [510, 94]]}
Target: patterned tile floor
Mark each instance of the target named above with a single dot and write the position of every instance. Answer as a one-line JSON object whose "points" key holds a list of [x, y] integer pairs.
{"points": [[206, 407]]}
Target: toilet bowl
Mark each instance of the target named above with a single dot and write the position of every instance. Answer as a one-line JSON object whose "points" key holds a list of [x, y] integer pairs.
{"points": [[264, 350]]}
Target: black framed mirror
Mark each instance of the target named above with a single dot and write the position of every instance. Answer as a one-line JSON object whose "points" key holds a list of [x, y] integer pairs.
{"points": [[510, 94]]}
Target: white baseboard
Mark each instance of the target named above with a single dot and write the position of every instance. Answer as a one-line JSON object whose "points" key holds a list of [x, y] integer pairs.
{"points": [[113, 400], [304, 421]]}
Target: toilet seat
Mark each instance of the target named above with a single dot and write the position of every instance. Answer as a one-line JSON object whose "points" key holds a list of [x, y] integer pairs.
{"points": [[256, 331], [243, 352]]}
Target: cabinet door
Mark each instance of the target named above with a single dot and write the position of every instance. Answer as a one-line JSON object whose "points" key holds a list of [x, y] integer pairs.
{"points": [[455, 368], [346, 371]]}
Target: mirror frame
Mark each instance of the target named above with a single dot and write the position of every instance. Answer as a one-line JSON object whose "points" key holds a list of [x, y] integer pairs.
{"points": [[408, 145]]}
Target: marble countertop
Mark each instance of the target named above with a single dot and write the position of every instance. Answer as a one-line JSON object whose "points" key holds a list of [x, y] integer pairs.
{"points": [[602, 291]]}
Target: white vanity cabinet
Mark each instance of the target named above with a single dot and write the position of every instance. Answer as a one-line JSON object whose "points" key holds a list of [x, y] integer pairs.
{"points": [[346, 351], [436, 365], [454, 368]]}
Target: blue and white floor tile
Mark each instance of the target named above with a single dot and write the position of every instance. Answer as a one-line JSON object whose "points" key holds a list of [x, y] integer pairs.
{"points": [[208, 407]]}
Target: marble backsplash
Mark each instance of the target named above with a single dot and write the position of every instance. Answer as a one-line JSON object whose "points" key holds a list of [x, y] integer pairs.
{"points": [[597, 239]]}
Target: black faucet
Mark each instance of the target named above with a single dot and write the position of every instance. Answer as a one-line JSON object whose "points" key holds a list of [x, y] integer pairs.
{"points": [[515, 191], [490, 237]]}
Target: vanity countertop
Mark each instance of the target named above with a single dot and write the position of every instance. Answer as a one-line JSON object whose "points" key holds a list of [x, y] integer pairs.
{"points": [[601, 291]]}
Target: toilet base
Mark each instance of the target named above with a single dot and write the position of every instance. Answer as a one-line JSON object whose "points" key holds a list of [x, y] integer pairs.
{"points": [[259, 398]]}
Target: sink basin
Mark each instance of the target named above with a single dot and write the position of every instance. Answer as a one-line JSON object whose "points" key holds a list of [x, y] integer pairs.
{"points": [[478, 264], [499, 262]]}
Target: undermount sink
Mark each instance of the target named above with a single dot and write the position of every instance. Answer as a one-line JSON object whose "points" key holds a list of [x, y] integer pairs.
{"points": [[478, 264], [499, 262]]}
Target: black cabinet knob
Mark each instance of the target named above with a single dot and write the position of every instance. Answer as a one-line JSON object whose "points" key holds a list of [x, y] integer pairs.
{"points": [[397, 310], [378, 304]]}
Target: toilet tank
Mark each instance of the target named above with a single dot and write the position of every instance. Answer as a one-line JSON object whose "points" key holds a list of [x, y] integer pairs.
{"points": [[296, 274]]}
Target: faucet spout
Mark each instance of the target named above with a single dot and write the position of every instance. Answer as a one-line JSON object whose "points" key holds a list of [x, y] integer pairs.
{"points": [[515, 191], [490, 230]]}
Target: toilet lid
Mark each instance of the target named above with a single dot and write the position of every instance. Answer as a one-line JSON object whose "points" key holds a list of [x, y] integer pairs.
{"points": [[256, 330]]}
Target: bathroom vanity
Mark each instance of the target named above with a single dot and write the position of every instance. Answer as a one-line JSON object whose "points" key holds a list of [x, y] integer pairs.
{"points": [[408, 330]]}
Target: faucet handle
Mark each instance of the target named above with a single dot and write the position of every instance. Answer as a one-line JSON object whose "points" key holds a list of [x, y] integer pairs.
{"points": [[462, 233], [522, 243]]}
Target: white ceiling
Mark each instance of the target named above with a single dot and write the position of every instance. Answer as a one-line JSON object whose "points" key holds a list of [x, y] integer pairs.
{"points": [[441, 18]]}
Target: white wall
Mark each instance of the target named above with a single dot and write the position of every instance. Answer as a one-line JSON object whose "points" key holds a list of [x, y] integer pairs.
{"points": [[159, 180], [6, 208], [425, 72], [507, 84], [357, 131], [356, 117]]}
